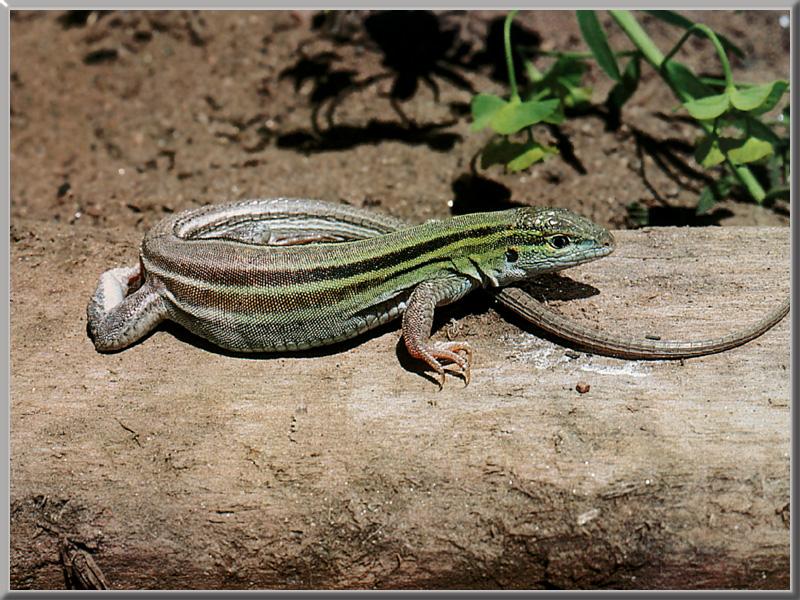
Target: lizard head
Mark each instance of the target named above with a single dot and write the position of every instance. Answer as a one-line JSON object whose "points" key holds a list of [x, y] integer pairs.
{"points": [[544, 240]]}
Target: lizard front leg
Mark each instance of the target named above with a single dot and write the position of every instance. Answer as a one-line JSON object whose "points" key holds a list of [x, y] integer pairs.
{"points": [[118, 318], [418, 321]]}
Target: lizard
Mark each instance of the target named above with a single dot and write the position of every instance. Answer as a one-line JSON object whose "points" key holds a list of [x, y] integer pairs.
{"points": [[270, 275], [226, 275]]}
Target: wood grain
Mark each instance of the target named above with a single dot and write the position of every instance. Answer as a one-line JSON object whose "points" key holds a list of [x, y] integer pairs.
{"points": [[175, 466]]}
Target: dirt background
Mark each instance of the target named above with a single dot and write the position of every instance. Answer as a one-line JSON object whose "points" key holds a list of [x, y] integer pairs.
{"points": [[117, 118], [178, 467]]}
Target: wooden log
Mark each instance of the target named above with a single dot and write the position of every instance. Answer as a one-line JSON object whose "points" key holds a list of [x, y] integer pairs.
{"points": [[172, 465]]}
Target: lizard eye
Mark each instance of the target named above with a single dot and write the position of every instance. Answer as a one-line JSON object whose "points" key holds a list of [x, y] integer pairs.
{"points": [[559, 241], [512, 255]]}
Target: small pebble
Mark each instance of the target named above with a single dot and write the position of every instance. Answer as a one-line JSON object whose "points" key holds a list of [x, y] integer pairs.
{"points": [[582, 387]]}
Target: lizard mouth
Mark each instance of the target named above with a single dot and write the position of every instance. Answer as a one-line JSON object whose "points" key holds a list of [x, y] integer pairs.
{"points": [[604, 245], [590, 251], [603, 251]]}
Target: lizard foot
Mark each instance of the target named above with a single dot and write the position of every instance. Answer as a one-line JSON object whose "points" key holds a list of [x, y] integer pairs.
{"points": [[458, 353]]}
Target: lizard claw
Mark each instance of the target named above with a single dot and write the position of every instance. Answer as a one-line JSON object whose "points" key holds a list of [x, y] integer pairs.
{"points": [[458, 353]]}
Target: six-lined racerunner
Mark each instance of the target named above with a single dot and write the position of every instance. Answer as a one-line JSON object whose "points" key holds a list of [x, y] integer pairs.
{"points": [[285, 274]]}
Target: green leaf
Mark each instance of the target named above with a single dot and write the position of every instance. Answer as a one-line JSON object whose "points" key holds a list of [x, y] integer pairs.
{"points": [[745, 151], [515, 156], [577, 96], [751, 98], [484, 107], [681, 77], [709, 107], [563, 80], [708, 152], [567, 70], [779, 87], [533, 153], [626, 87], [531, 71], [516, 115], [596, 39], [556, 117], [673, 18], [499, 151], [706, 201], [712, 151], [751, 126]]}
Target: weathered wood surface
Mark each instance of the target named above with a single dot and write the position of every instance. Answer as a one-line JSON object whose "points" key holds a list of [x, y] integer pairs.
{"points": [[176, 466]]}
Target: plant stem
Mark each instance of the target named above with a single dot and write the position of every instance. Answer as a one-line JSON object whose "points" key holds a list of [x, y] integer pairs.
{"points": [[723, 57], [512, 78], [716, 82], [749, 181]]}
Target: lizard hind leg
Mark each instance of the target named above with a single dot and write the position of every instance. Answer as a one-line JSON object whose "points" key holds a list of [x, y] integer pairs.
{"points": [[417, 323], [122, 309]]}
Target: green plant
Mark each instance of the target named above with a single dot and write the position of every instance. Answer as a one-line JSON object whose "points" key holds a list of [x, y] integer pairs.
{"points": [[729, 114], [512, 116]]}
